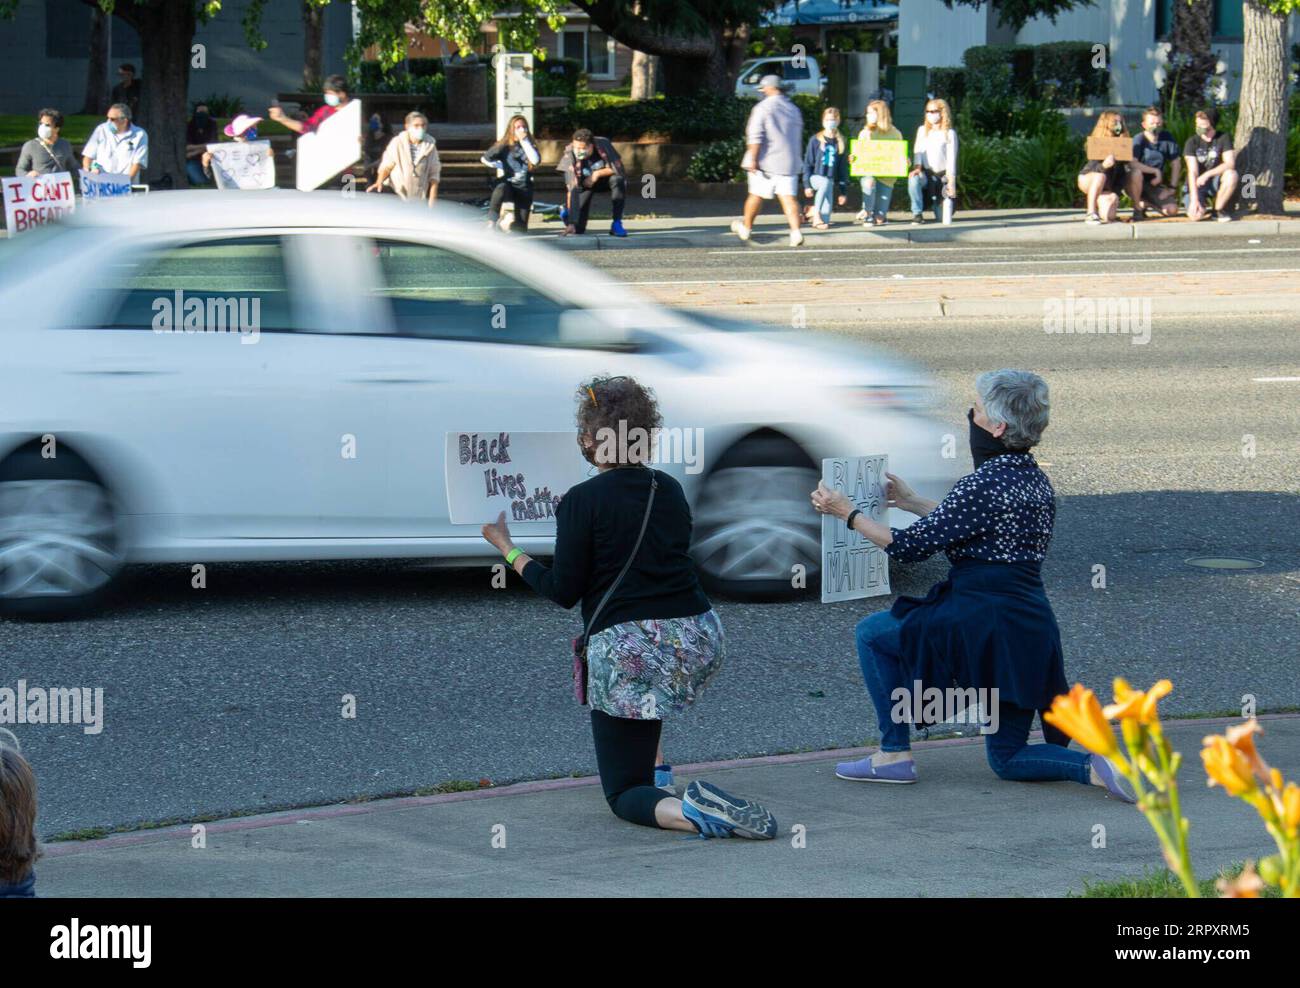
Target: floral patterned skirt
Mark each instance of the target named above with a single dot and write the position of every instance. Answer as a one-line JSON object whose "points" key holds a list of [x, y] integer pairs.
{"points": [[645, 670]]}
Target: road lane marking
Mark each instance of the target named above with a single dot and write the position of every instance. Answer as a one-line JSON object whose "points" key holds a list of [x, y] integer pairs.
{"points": [[812, 278], [1274, 380], [1005, 250]]}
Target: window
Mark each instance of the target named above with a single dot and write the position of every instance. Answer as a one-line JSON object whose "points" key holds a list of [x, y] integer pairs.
{"points": [[204, 286], [1226, 19], [593, 49], [760, 69], [793, 71], [437, 294]]}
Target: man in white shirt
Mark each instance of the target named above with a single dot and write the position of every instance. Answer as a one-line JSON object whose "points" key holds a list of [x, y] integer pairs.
{"points": [[117, 146]]}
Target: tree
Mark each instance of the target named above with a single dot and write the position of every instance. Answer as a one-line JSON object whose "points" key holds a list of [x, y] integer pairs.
{"points": [[313, 22], [1191, 62], [97, 88], [1263, 117], [1017, 13]]}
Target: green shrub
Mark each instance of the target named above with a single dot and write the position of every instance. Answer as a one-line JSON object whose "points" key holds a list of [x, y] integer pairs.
{"points": [[1019, 171], [1007, 116], [557, 77], [949, 83], [702, 116], [1060, 73], [221, 105], [998, 71], [718, 161]]}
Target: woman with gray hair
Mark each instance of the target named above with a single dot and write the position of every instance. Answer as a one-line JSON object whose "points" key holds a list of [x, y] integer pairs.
{"points": [[989, 625]]}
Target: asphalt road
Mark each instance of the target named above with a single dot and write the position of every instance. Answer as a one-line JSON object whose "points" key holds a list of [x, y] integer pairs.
{"points": [[229, 699]]}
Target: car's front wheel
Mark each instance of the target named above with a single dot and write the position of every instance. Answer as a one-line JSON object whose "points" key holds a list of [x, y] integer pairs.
{"points": [[60, 546], [756, 534]]}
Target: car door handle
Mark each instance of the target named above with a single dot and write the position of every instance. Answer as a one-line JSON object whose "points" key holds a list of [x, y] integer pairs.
{"points": [[394, 377]]}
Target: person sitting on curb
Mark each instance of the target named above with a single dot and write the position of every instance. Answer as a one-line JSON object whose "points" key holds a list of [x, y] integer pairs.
{"points": [[19, 849], [652, 639], [1102, 180], [590, 165], [933, 178], [989, 626], [773, 135], [826, 169], [1153, 149], [1211, 169], [877, 190]]}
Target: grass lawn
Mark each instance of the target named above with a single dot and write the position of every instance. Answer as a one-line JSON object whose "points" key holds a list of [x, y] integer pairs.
{"points": [[15, 128], [1159, 885]]}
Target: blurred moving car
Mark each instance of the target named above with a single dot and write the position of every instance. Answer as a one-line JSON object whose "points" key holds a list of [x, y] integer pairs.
{"points": [[799, 74], [122, 444]]}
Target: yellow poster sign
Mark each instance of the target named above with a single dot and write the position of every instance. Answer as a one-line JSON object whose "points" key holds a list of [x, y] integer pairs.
{"points": [[885, 159]]}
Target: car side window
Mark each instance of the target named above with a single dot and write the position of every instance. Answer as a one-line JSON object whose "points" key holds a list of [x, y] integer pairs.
{"points": [[793, 71], [208, 286], [436, 293], [758, 71]]}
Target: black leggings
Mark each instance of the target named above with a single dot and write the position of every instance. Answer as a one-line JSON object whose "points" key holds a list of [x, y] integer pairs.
{"points": [[625, 758], [522, 198]]}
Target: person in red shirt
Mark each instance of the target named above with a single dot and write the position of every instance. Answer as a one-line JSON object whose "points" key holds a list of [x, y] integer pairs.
{"points": [[335, 96]]}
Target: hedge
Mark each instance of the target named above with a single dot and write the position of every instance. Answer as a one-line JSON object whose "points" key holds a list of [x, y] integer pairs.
{"points": [[701, 117], [1060, 72]]}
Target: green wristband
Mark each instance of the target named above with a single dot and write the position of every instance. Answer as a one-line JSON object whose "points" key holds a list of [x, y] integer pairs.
{"points": [[513, 554]]}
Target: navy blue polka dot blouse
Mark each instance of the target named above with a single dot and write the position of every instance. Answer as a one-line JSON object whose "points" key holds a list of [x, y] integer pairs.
{"points": [[1001, 513]]}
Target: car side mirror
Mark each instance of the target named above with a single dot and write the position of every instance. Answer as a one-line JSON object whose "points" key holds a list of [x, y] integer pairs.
{"points": [[595, 328]]}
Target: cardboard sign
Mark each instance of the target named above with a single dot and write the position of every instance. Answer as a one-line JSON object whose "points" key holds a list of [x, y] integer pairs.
{"points": [[36, 201], [1098, 148], [335, 145], [879, 158], [524, 474], [243, 165], [852, 566], [104, 185]]}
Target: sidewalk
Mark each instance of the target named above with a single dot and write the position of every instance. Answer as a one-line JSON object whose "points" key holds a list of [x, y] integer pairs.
{"points": [[960, 832], [705, 223]]}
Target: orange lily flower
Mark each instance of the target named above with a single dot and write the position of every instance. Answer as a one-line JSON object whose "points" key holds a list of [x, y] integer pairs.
{"points": [[1079, 714], [1136, 704], [1227, 766]]}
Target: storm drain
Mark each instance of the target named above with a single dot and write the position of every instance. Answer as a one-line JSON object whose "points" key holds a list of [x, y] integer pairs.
{"points": [[1224, 562]]}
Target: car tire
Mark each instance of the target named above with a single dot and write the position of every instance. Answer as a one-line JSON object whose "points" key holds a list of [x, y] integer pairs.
{"points": [[754, 523], [60, 538]]}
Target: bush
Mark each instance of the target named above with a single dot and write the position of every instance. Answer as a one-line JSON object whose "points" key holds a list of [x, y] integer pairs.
{"points": [[998, 71], [949, 84], [222, 106], [701, 117], [1009, 116], [718, 161], [1020, 171], [1061, 73], [557, 77]]}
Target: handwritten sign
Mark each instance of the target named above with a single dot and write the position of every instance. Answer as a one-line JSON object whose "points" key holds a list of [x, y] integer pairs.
{"points": [[1099, 148], [335, 145], [104, 185], [852, 566], [243, 165], [36, 201], [879, 158], [524, 474]]}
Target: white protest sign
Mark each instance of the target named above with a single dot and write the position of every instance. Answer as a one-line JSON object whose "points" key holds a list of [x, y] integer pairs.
{"points": [[36, 201], [335, 145], [104, 185], [852, 566], [243, 165], [524, 474]]}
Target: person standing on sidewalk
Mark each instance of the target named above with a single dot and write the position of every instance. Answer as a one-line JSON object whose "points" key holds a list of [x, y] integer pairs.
{"points": [[933, 178], [989, 626], [47, 152], [653, 641], [826, 169], [773, 136], [410, 163], [877, 190]]}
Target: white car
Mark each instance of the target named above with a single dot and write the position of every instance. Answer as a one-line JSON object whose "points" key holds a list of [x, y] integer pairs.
{"points": [[122, 444], [800, 75]]}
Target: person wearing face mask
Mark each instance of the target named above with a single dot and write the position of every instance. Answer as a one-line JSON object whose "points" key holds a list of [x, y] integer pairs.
{"points": [[128, 89], [989, 626], [47, 152], [1211, 169], [117, 146], [334, 96], [590, 164], [199, 133], [512, 160], [826, 169], [1102, 180], [241, 130], [877, 190], [1153, 149], [410, 163], [933, 178]]}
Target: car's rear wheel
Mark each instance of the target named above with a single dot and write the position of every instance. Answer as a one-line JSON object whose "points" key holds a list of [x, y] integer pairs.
{"points": [[60, 546], [754, 524]]}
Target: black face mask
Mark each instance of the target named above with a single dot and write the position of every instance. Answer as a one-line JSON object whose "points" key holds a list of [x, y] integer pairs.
{"points": [[983, 444]]}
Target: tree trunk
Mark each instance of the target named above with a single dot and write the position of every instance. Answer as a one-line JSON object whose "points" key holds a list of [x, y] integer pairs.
{"points": [[97, 87], [313, 23], [687, 75], [1191, 61], [643, 75], [1260, 139], [691, 62]]}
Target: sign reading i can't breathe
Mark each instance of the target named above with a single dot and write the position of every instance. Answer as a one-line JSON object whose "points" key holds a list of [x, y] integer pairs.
{"points": [[853, 566], [36, 201], [524, 474]]}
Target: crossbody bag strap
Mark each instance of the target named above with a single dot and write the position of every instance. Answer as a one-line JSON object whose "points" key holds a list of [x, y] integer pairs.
{"points": [[654, 485]]}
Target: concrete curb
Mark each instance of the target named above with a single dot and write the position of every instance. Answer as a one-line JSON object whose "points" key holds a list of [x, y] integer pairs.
{"points": [[308, 815]]}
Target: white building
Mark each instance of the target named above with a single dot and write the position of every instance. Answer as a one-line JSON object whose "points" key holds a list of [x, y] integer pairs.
{"points": [[1135, 32]]}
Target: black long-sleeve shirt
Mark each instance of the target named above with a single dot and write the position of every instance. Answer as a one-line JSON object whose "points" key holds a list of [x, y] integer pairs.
{"points": [[597, 523]]}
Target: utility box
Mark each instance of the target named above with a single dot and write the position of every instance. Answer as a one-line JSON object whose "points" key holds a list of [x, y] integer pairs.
{"points": [[853, 78], [909, 86], [514, 87]]}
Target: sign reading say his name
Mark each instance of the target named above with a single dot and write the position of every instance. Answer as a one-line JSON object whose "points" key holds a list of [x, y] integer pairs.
{"points": [[853, 566], [103, 185], [886, 158], [36, 201], [524, 474]]}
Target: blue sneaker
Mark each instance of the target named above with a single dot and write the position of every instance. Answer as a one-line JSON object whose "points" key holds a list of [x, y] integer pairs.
{"points": [[616, 229], [664, 777], [564, 215], [718, 814]]}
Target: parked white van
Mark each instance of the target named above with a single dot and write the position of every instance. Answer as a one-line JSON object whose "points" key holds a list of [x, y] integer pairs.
{"points": [[800, 73]]}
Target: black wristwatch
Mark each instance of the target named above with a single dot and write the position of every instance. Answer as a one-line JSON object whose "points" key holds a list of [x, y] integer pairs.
{"points": [[848, 522]]}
